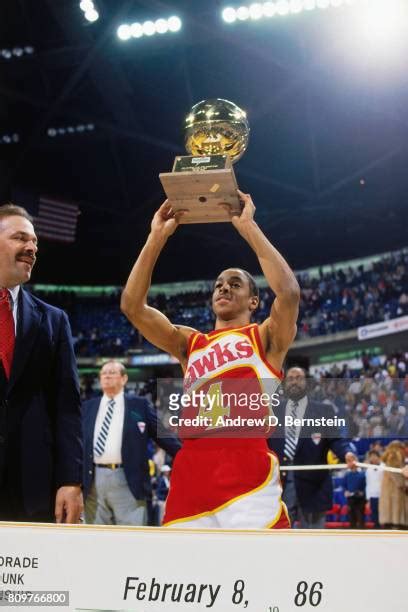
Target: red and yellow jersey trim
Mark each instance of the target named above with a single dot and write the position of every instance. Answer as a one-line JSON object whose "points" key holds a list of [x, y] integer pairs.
{"points": [[250, 332], [274, 464]]}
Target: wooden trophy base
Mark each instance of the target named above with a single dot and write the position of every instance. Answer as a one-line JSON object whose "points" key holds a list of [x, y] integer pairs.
{"points": [[201, 189]]}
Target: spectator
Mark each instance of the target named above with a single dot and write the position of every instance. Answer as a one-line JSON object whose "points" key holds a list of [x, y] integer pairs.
{"points": [[393, 504], [373, 484], [307, 494], [116, 471], [354, 491]]}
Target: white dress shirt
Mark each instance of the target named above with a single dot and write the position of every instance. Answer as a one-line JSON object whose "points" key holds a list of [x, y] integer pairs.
{"points": [[374, 476], [14, 304], [113, 446]]}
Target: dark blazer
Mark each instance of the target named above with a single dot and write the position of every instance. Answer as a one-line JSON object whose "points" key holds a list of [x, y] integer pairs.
{"points": [[314, 489], [40, 415], [134, 442]]}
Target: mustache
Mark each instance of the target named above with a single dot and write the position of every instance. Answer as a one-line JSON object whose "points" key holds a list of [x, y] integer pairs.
{"points": [[26, 255], [294, 387]]}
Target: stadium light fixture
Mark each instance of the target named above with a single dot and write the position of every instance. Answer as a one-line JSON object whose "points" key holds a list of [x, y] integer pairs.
{"points": [[90, 12], [162, 26], [52, 132], [383, 21], [9, 139], [229, 14], [174, 24], [148, 28], [376, 37], [92, 16], [276, 8], [86, 5], [124, 31], [255, 11], [16, 52], [282, 7], [136, 30]]}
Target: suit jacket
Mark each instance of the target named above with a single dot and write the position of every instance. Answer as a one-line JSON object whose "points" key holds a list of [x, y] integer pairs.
{"points": [[314, 489], [138, 410], [40, 415]]}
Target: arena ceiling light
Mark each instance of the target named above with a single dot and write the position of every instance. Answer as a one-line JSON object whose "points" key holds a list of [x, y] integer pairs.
{"points": [[89, 10], [16, 52], [53, 132], [126, 31], [278, 8], [9, 138], [383, 21], [375, 38]]}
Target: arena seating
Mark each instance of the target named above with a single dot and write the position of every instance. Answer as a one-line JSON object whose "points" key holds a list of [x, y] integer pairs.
{"points": [[331, 302]]}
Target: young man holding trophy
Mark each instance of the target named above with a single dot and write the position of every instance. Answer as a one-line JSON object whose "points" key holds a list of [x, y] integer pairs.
{"points": [[223, 477]]}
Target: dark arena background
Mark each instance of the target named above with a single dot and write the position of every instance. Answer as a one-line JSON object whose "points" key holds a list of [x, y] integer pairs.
{"points": [[93, 97]]}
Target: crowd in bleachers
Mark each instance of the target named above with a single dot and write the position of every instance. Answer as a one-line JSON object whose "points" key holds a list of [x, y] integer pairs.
{"points": [[347, 299], [335, 301], [373, 399]]}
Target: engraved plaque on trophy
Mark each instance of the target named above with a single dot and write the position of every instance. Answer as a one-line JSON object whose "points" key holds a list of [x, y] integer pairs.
{"points": [[202, 183]]}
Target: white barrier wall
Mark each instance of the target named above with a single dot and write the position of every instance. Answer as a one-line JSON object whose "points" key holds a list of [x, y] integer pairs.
{"points": [[152, 569]]}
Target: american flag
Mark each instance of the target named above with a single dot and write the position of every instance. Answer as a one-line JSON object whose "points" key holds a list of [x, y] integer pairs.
{"points": [[56, 220]]}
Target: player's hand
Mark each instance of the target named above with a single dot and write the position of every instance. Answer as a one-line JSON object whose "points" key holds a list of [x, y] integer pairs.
{"points": [[242, 221], [165, 221]]}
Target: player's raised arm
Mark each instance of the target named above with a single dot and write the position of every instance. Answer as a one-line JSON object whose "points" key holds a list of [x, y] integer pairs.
{"points": [[151, 323], [281, 324]]}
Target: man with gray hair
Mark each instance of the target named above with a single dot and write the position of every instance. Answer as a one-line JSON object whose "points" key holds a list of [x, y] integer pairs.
{"points": [[117, 428]]}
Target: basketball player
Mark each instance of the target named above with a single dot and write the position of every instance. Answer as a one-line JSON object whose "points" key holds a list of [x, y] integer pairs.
{"points": [[228, 482]]}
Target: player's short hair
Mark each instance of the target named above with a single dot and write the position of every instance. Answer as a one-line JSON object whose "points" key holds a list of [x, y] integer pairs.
{"points": [[253, 287]]}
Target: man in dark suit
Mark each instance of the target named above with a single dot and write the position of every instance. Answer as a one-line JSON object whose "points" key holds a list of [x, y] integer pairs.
{"points": [[307, 494], [117, 429], [40, 418]]}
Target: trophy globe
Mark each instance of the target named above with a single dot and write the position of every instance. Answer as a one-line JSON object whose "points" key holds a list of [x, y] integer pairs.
{"points": [[216, 127], [203, 184]]}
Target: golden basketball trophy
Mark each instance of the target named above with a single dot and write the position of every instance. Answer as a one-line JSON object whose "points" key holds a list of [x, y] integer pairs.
{"points": [[216, 136]]}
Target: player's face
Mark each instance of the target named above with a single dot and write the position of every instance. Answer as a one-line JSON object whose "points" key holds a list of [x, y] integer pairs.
{"points": [[231, 295], [18, 248]]}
